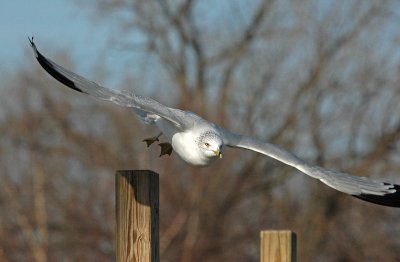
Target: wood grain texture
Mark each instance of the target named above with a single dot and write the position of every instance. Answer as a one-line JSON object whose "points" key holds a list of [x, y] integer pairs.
{"points": [[278, 246], [137, 214]]}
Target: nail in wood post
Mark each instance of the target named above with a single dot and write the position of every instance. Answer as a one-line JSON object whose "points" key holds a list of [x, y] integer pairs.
{"points": [[278, 246], [137, 214]]}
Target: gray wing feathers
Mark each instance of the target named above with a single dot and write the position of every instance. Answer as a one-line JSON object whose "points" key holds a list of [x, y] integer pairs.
{"points": [[353, 185], [253, 144], [362, 187], [146, 117], [83, 85]]}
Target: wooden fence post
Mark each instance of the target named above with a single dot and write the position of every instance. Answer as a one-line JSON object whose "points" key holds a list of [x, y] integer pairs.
{"points": [[277, 246], [137, 216]]}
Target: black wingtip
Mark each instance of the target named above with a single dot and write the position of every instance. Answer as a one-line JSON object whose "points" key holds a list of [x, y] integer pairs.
{"points": [[48, 66], [390, 200], [33, 47], [31, 41]]}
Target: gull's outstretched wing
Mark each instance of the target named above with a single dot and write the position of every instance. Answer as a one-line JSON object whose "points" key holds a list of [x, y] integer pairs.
{"points": [[142, 104], [380, 193]]}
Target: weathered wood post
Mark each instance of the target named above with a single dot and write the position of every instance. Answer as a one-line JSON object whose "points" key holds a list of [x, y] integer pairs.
{"points": [[277, 246], [137, 216]]}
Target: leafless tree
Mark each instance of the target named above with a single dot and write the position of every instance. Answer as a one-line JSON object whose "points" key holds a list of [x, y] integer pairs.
{"points": [[316, 77]]}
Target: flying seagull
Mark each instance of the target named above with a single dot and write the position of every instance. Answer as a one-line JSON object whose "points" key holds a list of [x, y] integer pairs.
{"points": [[200, 142]]}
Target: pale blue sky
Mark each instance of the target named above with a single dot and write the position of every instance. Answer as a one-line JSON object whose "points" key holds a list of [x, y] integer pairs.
{"points": [[61, 25], [55, 24]]}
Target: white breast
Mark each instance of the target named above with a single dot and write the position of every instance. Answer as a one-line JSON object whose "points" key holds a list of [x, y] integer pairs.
{"points": [[184, 143], [185, 146]]}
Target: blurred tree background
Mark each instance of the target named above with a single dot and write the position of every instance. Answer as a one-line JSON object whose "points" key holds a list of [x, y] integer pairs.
{"points": [[319, 78]]}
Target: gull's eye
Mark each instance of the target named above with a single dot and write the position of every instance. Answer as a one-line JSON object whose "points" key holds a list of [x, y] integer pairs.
{"points": [[207, 144]]}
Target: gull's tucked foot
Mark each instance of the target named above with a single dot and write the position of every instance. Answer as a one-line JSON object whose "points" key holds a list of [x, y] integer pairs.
{"points": [[151, 140], [166, 149]]}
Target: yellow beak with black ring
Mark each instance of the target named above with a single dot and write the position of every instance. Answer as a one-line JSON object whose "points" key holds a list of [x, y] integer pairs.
{"points": [[218, 153]]}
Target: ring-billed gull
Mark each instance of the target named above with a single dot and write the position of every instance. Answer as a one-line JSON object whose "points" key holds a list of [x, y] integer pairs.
{"points": [[200, 142]]}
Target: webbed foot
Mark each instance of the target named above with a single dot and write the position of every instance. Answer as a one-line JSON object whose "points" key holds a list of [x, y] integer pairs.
{"points": [[166, 149], [151, 140]]}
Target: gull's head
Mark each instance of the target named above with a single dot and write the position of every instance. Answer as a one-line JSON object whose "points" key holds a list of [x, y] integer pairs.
{"points": [[210, 144]]}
